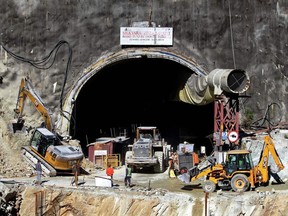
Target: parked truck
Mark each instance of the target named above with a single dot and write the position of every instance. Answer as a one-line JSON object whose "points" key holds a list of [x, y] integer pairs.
{"points": [[148, 150]]}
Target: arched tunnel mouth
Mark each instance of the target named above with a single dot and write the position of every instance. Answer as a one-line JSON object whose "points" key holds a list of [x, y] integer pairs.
{"points": [[140, 92]]}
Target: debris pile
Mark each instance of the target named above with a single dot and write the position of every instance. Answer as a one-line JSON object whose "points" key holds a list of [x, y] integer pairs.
{"points": [[11, 161], [10, 198]]}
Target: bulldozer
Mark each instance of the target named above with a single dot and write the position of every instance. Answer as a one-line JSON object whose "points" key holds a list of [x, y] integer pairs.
{"points": [[55, 153], [237, 172]]}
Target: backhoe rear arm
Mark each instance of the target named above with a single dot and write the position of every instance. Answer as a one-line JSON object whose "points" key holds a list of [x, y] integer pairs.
{"points": [[271, 148], [263, 162]]}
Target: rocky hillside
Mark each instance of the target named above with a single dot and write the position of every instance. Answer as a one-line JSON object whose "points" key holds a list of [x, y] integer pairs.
{"points": [[239, 34]]}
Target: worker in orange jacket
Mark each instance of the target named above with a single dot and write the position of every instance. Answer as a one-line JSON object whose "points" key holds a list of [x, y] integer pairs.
{"points": [[110, 172], [195, 158]]}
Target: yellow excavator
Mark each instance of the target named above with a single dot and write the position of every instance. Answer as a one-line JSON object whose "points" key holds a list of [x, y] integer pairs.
{"points": [[55, 154], [238, 171], [26, 90]]}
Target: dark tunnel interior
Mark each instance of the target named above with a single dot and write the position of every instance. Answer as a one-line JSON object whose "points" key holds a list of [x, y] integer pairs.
{"points": [[140, 92]]}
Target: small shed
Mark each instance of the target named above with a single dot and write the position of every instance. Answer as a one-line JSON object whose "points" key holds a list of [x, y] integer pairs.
{"points": [[107, 150]]}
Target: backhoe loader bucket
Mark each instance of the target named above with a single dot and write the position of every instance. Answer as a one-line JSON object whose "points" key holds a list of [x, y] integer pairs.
{"points": [[194, 171]]}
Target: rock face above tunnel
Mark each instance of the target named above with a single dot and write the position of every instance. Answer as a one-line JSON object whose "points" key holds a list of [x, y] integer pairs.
{"points": [[239, 35]]}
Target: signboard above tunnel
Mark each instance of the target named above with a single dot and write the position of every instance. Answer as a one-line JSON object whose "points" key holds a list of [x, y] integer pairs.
{"points": [[153, 36]]}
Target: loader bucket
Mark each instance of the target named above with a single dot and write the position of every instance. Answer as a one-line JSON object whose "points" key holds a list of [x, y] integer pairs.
{"points": [[194, 171]]}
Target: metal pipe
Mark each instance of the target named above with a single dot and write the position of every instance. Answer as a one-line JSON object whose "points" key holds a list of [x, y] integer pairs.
{"points": [[229, 80], [201, 90]]}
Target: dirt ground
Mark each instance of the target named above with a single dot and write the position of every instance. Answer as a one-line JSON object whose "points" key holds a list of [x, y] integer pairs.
{"points": [[148, 191], [152, 194]]}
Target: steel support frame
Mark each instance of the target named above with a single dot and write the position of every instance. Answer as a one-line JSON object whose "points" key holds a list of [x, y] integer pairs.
{"points": [[226, 118]]}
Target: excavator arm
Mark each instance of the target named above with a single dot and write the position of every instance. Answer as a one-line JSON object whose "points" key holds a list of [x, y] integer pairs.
{"points": [[45, 145], [26, 90]]}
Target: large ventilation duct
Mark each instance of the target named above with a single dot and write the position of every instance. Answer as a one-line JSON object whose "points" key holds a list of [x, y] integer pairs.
{"points": [[201, 90]]}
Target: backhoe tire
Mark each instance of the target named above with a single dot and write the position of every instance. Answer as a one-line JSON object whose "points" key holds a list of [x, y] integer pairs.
{"points": [[209, 186], [240, 183]]}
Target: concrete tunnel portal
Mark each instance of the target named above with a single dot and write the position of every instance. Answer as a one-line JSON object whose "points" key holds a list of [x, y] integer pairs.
{"points": [[140, 91]]}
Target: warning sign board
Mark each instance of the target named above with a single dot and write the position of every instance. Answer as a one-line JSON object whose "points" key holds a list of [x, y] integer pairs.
{"points": [[233, 136], [159, 36]]}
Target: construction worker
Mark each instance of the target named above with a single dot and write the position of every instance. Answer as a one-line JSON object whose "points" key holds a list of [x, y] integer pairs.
{"points": [[195, 158], [171, 166], [76, 172], [128, 176], [176, 162], [110, 172], [38, 172]]}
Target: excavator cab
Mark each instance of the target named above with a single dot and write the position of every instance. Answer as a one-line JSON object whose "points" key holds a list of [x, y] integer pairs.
{"points": [[238, 160], [42, 139]]}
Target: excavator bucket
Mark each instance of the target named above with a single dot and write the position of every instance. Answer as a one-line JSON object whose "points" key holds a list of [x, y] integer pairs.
{"points": [[17, 125]]}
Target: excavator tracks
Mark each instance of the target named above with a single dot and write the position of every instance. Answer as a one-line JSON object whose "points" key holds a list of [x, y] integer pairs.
{"points": [[32, 159]]}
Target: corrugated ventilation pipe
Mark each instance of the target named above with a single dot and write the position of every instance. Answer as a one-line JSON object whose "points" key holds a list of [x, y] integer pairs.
{"points": [[201, 90]]}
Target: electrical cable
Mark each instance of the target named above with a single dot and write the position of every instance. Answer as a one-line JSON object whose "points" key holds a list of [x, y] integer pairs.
{"points": [[40, 64], [44, 64], [231, 33], [267, 118]]}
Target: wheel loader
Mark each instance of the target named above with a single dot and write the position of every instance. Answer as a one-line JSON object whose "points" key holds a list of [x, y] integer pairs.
{"points": [[238, 172], [148, 150], [56, 154]]}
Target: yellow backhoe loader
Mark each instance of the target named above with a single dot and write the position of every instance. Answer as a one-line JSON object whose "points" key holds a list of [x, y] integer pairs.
{"points": [[238, 171], [55, 154]]}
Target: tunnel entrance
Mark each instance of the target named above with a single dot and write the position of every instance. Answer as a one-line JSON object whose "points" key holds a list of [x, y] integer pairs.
{"points": [[140, 91]]}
